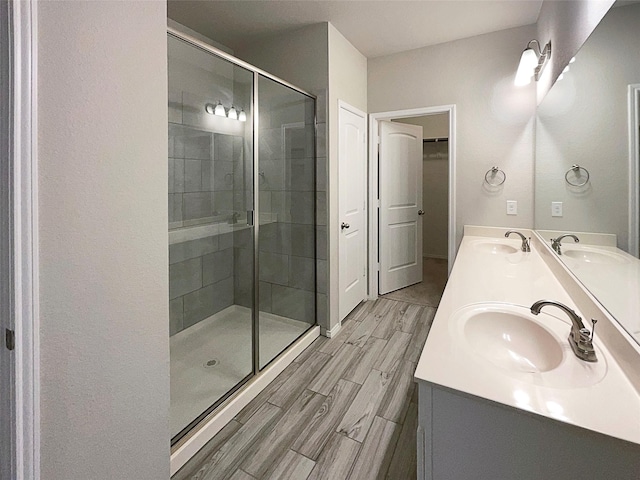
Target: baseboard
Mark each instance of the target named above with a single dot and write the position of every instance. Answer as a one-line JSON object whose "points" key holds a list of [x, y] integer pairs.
{"points": [[333, 331], [238, 401]]}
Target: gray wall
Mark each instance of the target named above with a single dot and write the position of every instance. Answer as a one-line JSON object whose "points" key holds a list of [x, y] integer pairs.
{"points": [[104, 337], [583, 120], [567, 25], [7, 451], [494, 118], [435, 195]]}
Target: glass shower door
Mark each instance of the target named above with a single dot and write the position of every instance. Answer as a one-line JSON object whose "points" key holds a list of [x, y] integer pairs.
{"points": [[211, 241], [286, 204]]}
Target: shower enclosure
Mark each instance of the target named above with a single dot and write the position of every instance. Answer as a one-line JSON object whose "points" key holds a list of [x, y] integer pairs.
{"points": [[242, 283]]}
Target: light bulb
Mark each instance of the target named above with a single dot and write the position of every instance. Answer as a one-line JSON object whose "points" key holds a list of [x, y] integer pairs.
{"points": [[566, 69], [209, 108], [573, 59], [528, 62], [561, 76], [242, 116], [220, 110], [233, 115]]}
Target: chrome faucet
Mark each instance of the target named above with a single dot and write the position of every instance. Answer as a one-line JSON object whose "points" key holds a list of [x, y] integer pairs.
{"points": [[555, 242], [525, 242], [580, 339]]}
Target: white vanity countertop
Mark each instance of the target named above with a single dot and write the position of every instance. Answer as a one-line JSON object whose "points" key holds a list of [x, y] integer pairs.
{"points": [[610, 406]]}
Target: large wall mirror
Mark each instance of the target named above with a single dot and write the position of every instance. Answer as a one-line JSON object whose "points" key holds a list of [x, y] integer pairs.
{"points": [[587, 156]]}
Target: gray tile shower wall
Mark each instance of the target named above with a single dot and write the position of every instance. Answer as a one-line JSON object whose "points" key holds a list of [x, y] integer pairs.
{"points": [[321, 209], [287, 249], [204, 170], [201, 281]]}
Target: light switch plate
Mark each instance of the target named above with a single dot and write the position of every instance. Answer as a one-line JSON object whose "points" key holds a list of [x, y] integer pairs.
{"points": [[512, 207], [556, 209]]}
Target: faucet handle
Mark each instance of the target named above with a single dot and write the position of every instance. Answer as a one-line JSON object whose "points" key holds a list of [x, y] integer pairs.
{"points": [[585, 335]]}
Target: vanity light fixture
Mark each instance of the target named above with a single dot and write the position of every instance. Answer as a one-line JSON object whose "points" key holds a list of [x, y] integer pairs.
{"points": [[220, 110], [532, 62]]}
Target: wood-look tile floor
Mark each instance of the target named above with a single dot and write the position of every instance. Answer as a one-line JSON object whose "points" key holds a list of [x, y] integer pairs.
{"points": [[346, 408]]}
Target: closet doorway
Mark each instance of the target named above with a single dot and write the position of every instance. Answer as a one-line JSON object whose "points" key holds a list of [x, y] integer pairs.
{"points": [[438, 188]]}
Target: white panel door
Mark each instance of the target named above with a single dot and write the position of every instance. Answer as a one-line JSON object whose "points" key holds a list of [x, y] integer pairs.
{"points": [[400, 206], [352, 161]]}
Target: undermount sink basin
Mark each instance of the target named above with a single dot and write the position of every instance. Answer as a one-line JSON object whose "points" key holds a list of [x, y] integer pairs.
{"points": [[531, 348], [494, 248], [512, 340], [592, 255]]}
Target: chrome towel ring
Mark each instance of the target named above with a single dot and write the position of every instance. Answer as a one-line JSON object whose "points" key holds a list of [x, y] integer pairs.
{"points": [[495, 177], [577, 175]]}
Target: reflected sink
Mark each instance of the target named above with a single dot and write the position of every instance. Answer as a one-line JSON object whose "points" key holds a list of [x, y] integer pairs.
{"points": [[527, 347], [592, 255], [513, 341], [494, 247]]}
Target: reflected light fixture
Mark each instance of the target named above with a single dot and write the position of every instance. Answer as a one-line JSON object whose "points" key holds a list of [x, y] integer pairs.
{"points": [[242, 116], [532, 62], [233, 114], [220, 110], [209, 108]]}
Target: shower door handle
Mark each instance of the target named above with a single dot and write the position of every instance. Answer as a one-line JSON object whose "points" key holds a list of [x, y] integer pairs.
{"points": [[250, 218]]}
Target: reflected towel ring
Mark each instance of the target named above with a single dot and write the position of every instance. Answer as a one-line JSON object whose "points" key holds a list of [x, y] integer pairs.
{"points": [[576, 170], [495, 174]]}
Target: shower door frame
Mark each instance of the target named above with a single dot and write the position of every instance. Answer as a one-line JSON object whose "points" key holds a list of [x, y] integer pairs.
{"points": [[206, 425]]}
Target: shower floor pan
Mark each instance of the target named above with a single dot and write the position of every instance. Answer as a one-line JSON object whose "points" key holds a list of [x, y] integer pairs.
{"points": [[214, 355]]}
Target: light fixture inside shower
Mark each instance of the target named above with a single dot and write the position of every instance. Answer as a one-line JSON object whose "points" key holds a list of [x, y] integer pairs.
{"points": [[220, 111]]}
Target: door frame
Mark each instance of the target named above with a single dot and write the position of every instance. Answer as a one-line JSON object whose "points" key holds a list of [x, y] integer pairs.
{"points": [[634, 169], [25, 240], [374, 230], [365, 227]]}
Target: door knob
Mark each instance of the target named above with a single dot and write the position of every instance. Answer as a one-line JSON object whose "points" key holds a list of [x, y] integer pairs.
{"points": [[420, 212], [344, 225]]}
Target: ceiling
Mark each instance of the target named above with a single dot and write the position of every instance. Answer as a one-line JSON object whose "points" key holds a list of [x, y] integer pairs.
{"points": [[375, 28]]}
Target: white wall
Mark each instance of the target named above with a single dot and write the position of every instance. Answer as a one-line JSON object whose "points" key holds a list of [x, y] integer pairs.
{"points": [[102, 142], [567, 25], [494, 118], [347, 82], [583, 120]]}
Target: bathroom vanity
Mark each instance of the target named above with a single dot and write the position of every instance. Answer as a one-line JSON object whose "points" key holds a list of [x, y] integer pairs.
{"points": [[502, 394]]}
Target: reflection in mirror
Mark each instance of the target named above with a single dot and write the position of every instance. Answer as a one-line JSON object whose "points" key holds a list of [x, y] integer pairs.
{"points": [[587, 164]]}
